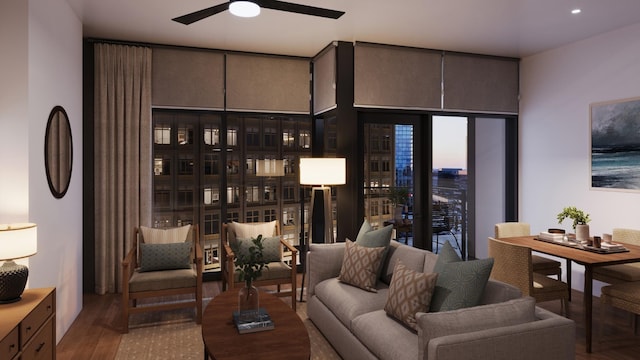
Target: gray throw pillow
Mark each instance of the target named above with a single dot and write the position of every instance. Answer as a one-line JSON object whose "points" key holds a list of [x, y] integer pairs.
{"points": [[461, 284], [154, 257]]}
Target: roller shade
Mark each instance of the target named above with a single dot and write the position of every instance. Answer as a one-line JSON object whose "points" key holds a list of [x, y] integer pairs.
{"points": [[397, 77], [187, 78], [480, 83], [268, 83], [324, 81]]}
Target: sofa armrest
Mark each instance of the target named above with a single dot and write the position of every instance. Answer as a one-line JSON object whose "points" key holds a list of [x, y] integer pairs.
{"points": [[324, 261], [550, 337]]}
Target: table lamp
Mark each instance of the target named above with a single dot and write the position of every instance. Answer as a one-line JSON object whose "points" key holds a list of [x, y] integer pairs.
{"points": [[16, 241], [323, 172]]}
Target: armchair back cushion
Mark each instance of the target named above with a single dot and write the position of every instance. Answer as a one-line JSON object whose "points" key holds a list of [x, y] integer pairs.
{"points": [[249, 230], [164, 236]]}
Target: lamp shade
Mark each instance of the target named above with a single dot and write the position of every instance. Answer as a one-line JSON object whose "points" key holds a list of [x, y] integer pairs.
{"points": [[270, 167], [323, 171], [18, 241]]}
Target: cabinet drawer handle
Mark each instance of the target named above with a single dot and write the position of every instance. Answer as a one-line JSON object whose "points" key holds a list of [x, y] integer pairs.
{"points": [[40, 347], [12, 346], [28, 328]]}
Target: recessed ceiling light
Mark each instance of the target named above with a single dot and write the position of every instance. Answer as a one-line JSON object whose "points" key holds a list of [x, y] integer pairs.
{"points": [[576, 11]]}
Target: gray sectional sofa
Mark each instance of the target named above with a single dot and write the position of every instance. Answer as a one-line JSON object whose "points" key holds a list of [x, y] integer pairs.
{"points": [[505, 325]]}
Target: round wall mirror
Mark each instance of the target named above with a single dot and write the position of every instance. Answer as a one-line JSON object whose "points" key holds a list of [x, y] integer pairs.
{"points": [[58, 152]]}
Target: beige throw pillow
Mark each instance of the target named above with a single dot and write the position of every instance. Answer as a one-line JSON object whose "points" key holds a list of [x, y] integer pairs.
{"points": [[360, 265], [409, 293]]}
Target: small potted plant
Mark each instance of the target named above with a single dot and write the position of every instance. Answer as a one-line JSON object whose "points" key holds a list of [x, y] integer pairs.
{"points": [[580, 221], [249, 263]]}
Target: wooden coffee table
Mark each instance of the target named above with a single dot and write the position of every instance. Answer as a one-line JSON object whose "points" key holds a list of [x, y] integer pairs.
{"points": [[288, 340]]}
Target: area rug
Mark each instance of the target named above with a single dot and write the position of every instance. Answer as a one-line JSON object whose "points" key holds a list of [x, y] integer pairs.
{"points": [[175, 335]]}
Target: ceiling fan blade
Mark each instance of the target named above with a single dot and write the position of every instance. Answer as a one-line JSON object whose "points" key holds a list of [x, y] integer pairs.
{"points": [[300, 9], [199, 15]]}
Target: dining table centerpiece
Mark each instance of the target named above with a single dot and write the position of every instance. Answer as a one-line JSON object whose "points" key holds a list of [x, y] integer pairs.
{"points": [[580, 221], [249, 263]]}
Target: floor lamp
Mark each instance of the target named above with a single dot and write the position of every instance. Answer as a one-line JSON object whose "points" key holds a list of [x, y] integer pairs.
{"points": [[323, 172]]}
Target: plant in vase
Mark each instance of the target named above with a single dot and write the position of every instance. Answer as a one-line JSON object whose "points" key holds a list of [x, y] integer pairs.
{"points": [[249, 264], [580, 220]]}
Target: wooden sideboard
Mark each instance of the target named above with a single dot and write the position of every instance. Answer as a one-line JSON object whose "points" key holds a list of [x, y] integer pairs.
{"points": [[28, 327]]}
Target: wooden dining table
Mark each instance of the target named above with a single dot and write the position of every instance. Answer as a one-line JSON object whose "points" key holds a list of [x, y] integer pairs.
{"points": [[588, 259]]}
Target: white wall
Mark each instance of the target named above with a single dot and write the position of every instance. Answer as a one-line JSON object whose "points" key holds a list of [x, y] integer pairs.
{"points": [[42, 67], [14, 122], [557, 87]]}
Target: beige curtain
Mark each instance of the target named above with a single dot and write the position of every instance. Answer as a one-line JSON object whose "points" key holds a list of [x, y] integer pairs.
{"points": [[122, 157]]}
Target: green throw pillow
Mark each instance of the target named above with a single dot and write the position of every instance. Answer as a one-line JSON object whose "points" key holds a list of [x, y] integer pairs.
{"points": [[446, 255], [461, 284], [270, 247], [154, 257], [375, 238]]}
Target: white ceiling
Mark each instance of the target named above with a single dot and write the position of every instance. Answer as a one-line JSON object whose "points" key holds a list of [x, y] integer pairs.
{"points": [[514, 28]]}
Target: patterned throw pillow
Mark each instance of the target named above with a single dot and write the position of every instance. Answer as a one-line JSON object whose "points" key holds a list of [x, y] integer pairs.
{"points": [[409, 292], [270, 247], [154, 257], [360, 265]]}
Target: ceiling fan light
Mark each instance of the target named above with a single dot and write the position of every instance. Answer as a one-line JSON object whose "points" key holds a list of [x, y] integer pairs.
{"points": [[244, 8]]}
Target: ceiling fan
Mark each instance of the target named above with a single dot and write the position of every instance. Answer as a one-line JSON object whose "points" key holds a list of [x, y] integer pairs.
{"points": [[255, 6]]}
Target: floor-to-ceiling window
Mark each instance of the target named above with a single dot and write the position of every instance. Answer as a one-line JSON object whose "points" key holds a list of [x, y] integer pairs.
{"points": [[204, 166], [460, 154]]}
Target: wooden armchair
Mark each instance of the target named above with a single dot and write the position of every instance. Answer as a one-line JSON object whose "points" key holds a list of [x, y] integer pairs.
{"points": [[513, 265], [278, 272], [160, 264]]}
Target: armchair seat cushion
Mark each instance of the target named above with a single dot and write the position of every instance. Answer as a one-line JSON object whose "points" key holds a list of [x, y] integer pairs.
{"points": [[625, 272], [161, 280], [276, 270]]}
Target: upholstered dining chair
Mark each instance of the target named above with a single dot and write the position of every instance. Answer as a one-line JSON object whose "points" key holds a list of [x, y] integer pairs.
{"points": [[616, 274], [277, 272], [162, 262], [541, 264], [512, 265]]}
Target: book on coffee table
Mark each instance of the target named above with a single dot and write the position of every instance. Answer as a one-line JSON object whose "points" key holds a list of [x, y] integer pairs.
{"points": [[253, 322]]}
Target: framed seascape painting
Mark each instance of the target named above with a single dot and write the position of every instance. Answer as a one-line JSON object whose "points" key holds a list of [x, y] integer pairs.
{"points": [[615, 145]]}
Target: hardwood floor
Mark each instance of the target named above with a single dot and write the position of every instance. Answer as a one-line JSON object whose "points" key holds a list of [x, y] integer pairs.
{"points": [[95, 334]]}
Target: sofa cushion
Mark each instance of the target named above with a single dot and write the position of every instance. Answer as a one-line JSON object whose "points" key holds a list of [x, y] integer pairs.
{"points": [[270, 247], [360, 265], [154, 257], [164, 236], [412, 258], [434, 325], [461, 284], [347, 302], [410, 292], [385, 337]]}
